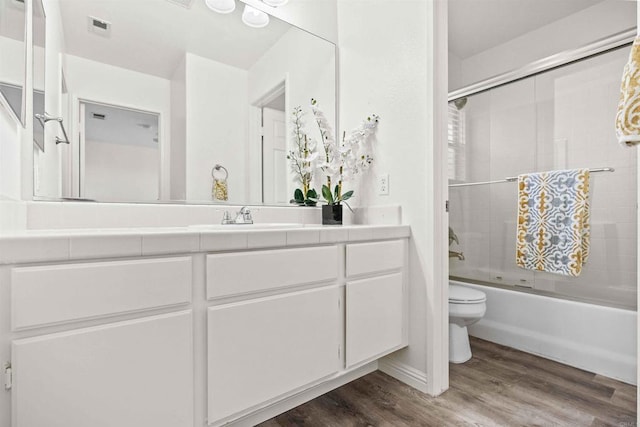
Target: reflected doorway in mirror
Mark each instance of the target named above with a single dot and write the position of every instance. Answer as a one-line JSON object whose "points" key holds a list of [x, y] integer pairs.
{"points": [[119, 153]]}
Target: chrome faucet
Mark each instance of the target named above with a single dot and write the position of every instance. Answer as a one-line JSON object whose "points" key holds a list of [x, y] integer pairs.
{"points": [[242, 217], [454, 254]]}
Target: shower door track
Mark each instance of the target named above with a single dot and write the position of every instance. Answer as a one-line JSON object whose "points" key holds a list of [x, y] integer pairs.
{"points": [[554, 61]]}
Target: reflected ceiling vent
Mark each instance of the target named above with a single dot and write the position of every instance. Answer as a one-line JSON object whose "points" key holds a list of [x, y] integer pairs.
{"points": [[18, 4], [183, 3], [99, 26], [98, 116]]}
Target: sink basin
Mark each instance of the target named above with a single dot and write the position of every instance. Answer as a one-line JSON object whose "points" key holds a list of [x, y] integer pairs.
{"points": [[256, 226]]}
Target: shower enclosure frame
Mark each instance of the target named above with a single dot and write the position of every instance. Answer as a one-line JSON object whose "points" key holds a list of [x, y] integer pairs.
{"points": [[601, 46], [549, 63]]}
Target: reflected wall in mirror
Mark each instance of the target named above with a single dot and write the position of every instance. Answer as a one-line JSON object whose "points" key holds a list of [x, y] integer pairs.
{"points": [[207, 78], [12, 57]]}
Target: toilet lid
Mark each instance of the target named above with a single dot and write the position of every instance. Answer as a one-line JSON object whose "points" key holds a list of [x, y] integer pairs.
{"points": [[464, 295]]}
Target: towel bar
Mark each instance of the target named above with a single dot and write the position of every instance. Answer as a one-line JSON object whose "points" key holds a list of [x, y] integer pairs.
{"points": [[44, 118], [515, 178]]}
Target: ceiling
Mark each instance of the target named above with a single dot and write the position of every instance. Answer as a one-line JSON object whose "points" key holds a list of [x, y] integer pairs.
{"points": [[477, 25], [113, 125], [151, 36]]}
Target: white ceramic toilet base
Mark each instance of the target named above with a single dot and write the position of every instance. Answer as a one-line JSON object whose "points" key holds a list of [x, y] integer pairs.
{"points": [[459, 348]]}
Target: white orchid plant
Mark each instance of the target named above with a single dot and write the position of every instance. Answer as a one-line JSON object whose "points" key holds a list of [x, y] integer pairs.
{"points": [[302, 161], [344, 161], [339, 162]]}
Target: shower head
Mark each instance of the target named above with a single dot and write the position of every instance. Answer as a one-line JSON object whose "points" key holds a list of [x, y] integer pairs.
{"points": [[460, 103]]}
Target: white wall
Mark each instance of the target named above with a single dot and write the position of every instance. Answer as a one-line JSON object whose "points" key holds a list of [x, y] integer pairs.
{"points": [[11, 71], [102, 83], [295, 58], [216, 131], [178, 152], [596, 22], [387, 60], [118, 172], [10, 133]]}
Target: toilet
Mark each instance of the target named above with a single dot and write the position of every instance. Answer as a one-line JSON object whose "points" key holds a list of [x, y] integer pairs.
{"points": [[466, 307]]}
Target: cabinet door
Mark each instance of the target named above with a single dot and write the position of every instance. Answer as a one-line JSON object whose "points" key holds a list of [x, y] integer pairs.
{"points": [[374, 317], [127, 374], [263, 348]]}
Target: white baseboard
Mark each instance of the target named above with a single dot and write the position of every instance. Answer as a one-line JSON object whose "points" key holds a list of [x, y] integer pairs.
{"points": [[297, 399], [404, 373]]}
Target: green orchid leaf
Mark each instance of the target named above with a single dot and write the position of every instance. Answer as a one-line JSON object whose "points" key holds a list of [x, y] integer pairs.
{"points": [[347, 195], [297, 195], [336, 192], [312, 194], [326, 193]]}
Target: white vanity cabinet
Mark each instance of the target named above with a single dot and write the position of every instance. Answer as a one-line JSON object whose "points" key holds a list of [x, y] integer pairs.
{"points": [[224, 334], [376, 300], [261, 349], [281, 336], [125, 373]]}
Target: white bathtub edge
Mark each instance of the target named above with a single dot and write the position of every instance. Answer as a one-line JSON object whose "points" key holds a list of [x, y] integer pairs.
{"points": [[578, 344], [583, 357]]}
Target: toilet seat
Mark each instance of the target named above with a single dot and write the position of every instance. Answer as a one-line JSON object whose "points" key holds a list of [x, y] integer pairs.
{"points": [[465, 295]]}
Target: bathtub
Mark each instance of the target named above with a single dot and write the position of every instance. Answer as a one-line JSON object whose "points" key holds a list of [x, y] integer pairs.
{"points": [[595, 338]]}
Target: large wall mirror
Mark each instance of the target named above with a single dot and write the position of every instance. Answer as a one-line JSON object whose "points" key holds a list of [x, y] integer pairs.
{"points": [[12, 57], [162, 99]]}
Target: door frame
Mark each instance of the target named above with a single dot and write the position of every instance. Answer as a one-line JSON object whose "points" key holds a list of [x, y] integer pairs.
{"points": [[254, 149]]}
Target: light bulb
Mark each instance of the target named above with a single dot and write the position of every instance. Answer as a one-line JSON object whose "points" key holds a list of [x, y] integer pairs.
{"points": [[221, 6], [254, 17], [275, 3]]}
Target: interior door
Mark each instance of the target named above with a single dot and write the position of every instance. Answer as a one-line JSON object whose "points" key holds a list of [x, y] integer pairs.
{"points": [[274, 156]]}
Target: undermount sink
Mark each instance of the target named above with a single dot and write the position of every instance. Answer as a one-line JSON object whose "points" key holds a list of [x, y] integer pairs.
{"points": [[255, 226]]}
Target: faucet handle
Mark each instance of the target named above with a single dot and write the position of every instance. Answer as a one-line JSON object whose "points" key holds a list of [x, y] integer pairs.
{"points": [[226, 218], [246, 215]]}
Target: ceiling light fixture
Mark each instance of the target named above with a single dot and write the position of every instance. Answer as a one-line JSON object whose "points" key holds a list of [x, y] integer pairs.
{"points": [[254, 17], [221, 6], [275, 3]]}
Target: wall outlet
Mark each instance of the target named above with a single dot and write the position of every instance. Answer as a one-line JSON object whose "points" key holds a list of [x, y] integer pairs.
{"points": [[383, 184]]}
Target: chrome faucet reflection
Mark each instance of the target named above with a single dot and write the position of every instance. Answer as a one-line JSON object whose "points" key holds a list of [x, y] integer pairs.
{"points": [[242, 217]]}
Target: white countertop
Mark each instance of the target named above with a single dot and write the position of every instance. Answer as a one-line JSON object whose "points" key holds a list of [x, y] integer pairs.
{"points": [[30, 246]]}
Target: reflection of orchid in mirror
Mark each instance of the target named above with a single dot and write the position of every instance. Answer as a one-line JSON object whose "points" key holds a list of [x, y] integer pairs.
{"points": [[344, 161], [302, 161]]}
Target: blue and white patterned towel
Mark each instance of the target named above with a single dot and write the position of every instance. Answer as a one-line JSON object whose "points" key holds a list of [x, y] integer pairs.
{"points": [[553, 221]]}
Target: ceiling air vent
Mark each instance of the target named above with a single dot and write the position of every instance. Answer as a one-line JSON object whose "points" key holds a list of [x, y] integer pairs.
{"points": [[18, 4], [99, 26], [183, 3], [98, 116]]}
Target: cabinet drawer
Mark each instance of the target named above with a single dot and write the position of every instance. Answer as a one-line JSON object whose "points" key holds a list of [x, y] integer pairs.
{"points": [[364, 258], [59, 293], [246, 272], [374, 317]]}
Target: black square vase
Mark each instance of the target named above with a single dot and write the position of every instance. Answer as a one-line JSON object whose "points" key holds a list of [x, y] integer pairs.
{"points": [[331, 214]]}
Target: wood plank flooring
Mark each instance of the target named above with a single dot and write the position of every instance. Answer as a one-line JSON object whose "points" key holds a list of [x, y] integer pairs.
{"points": [[499, 386]]}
